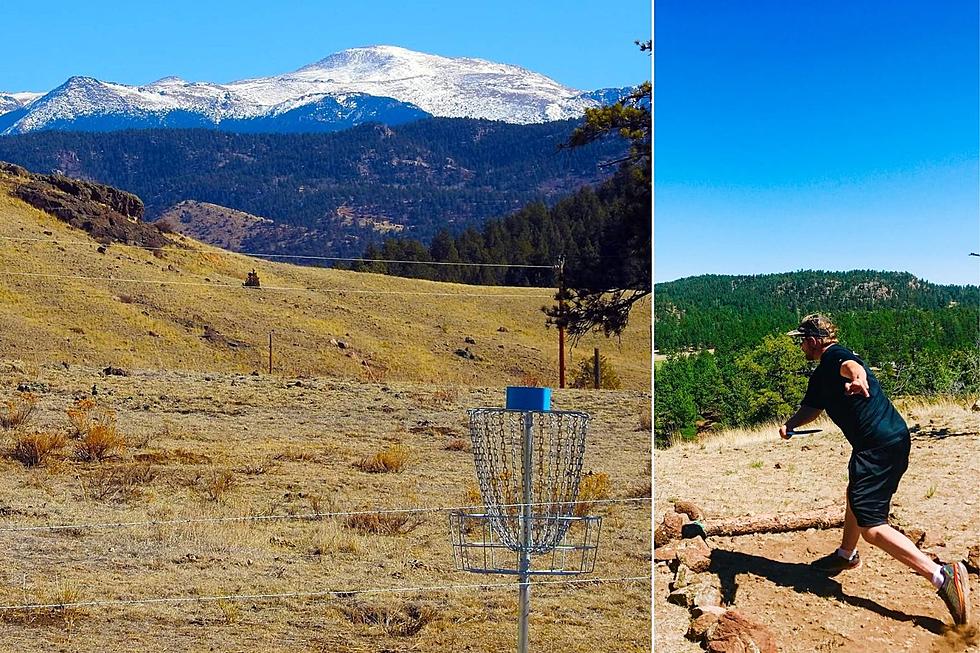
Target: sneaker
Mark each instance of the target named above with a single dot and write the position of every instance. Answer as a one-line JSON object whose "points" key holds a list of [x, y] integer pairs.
{"points": [[955, 591], [833, 564]]}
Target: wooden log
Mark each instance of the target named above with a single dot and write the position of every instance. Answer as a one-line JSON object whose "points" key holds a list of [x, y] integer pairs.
{"points": [[775, 523]]}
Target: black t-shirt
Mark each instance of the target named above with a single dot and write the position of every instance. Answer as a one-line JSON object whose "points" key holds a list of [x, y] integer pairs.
{"points": [[866, 422]]}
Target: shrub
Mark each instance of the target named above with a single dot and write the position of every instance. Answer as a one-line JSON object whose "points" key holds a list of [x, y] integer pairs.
{"points": [[17, 411], [120, 483], [383, 523], [34, 449], [646, 421], [100, 442], [85, 413], [396, 621], [584, 376], [593, 487], [218, 483], [458, 444], [391, 459]]}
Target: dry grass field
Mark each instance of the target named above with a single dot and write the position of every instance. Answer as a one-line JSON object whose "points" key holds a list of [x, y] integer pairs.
{"points": [[185, 308], [881, 607], [159, 477], [207, 446]]}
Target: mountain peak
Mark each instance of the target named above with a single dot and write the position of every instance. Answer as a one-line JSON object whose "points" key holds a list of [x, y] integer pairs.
{"points": [[376, 83]]}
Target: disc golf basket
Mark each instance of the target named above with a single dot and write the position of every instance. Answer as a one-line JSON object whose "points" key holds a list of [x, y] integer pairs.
{"points": [[529, 464]]}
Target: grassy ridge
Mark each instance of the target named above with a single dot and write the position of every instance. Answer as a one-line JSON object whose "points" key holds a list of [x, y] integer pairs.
{"points": [[201, 318]]}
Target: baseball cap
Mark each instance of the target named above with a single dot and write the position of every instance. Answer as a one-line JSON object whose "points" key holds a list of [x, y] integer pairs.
{"points": [[816, 326]]}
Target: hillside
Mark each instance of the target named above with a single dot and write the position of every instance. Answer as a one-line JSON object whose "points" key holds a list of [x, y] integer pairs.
{"points": [[875, 309], [421, 177], [182, 306]]}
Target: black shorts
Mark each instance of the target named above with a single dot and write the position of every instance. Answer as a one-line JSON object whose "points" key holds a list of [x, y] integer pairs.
{"points": [[873, 476]]}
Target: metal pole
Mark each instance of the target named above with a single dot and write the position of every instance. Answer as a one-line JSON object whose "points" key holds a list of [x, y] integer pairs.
{"points": [[270, 352], [524, 604]]}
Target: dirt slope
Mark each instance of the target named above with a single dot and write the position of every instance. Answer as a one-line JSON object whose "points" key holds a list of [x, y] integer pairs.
{"points": [[881, 607]]}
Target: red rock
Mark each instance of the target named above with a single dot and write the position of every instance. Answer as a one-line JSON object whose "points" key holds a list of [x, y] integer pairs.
{"points": [[701, 627], [669, 529], [737, 634]]}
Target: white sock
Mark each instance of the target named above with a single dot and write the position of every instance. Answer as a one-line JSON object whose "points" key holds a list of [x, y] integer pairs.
{"points": [[847, 555], [938, 578]]}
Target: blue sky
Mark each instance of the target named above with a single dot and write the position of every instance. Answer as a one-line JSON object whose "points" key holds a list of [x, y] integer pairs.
{"points": [[817, 135], [585, 45]]}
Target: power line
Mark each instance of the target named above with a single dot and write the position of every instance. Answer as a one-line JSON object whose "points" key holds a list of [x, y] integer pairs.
{"points": [[311, 516], [310, 594], [293, 256]]}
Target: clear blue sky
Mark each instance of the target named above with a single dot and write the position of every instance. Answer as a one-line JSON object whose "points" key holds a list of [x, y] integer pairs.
{"points": [[583, 44], [829, 135]]}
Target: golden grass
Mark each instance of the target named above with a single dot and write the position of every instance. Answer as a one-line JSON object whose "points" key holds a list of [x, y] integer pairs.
{"points": [[100, 442], [35, 449], [17, 411], [389, 460], [404, 337], [459, 444], [594, 486]]}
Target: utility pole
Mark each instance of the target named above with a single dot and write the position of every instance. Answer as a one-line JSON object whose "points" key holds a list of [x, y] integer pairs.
{"points": [[270, 352], [561, 321]]}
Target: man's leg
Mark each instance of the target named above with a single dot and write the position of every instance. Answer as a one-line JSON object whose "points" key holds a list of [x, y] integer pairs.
{"points": [[899, 547], [852, 532]]}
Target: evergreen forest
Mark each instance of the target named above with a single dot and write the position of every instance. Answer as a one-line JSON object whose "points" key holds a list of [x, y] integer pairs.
{"points": [[729, 365]]}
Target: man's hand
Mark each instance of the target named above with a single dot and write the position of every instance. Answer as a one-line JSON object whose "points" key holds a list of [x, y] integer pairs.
{"points": [[857, 387], [857, 383], [784, 432]]}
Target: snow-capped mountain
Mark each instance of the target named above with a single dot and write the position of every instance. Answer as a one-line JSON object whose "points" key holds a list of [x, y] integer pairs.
{"points": [[371, 84]]}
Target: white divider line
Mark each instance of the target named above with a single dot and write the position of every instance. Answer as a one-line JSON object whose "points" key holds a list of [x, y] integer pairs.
{"points": [[164, 282], [271, 255], [311, 594], [310, 516]]}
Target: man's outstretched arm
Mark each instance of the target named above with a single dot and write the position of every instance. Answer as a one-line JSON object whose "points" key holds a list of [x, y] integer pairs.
{"points": [[858, 378], [803, 415]]}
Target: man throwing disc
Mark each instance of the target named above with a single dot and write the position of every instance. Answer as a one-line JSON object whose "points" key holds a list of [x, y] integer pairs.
{"points": [[843, 386]]}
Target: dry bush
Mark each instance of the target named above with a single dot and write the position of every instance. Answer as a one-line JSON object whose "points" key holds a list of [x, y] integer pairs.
{"points": [[231, 612], [383, 523], [593, 487], [60, 597], [217, 484], [459, 444], [584, 375], [100, 442], [642, 491], [330, 538], [297, 456], [86, 413], [471, 497], [530, 380], [400, 620], [390, 459], [646, 422], [121, 483], [17, 410], [34, 449]]}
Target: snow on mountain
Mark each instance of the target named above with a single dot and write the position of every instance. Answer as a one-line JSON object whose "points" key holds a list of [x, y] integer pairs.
{"points": [[379, 83]]}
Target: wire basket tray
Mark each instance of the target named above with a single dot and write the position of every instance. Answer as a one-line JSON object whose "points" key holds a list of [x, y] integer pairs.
{"points": [[478, 548]]}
